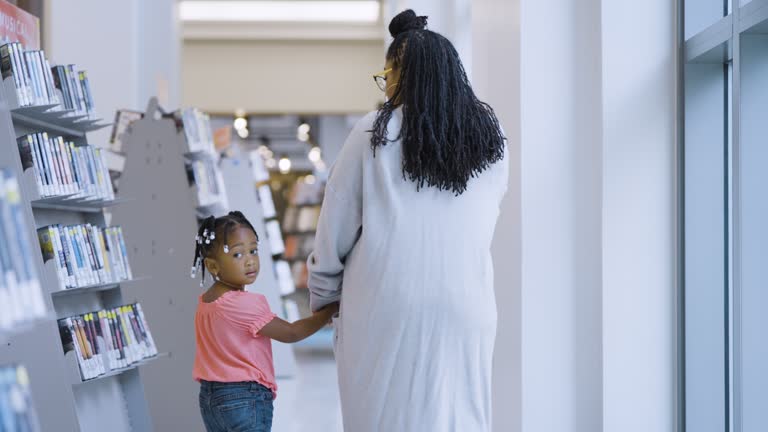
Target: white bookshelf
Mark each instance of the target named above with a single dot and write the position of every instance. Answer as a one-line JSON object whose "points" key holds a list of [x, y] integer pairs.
{"points": [[62, 400]]}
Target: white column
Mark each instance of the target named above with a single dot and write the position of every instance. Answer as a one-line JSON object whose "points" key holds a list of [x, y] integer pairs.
{"points": [[561, 171], [496, 80], [586, 235], [639, 112]]}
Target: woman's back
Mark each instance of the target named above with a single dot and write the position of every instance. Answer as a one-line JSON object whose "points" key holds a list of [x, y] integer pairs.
{"points": [[418, 314]]}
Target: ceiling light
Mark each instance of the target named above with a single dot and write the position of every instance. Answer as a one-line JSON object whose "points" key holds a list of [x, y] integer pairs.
{"points": [[314, 154], [284, 165], [310, 179], [303, 137], [304, 129], [243, 133], [241, 123], [357, 11]]}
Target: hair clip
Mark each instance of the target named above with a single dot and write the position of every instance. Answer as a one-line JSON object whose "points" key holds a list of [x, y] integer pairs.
{"points": [[226, 248], [193, 272], [212, 236]]}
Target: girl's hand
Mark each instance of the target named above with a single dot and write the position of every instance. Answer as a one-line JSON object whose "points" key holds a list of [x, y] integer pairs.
{"points": [[328, 311]]}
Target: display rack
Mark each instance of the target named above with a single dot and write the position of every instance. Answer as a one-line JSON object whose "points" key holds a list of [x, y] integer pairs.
{"points": [[237, 171], [62, 400], [160, 226]]}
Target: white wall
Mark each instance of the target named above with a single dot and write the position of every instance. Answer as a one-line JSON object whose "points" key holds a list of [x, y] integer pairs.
{"points": [[496, 80], [124, 46], [273, 76], [639, 113]]}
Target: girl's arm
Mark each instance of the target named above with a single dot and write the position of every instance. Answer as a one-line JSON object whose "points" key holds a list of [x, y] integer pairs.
{"points": [[283, 331]]}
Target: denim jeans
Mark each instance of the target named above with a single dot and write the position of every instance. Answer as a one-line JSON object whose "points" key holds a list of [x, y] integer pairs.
{"points": [[236, 407]]}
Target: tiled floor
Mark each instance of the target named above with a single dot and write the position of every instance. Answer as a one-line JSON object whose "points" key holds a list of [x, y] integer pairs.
{"points": [[309, 401]]}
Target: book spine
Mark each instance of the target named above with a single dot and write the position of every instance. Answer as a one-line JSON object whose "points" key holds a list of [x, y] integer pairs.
{"points": [[25, 77], [85, 246], [75, 164], [36, 163], [67, 329], [124, 252], [76, 90], [50, 166], [21, 92], [93, 237], [60, 85], [59, 164], [117, 337], [98, 342], [69, 260], [145, 326], [29, 65], [55, 99], [44, 170], [77, 261], [88, 364]]}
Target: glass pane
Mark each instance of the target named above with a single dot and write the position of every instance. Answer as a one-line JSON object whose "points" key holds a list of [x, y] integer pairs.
{"points": [[754, 233], [700, 14], [705, 247]]}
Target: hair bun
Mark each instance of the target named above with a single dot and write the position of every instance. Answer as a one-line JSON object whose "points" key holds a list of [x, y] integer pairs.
{"points": [[406, 21]]}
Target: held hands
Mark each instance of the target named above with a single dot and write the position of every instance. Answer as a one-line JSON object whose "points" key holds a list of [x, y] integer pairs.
{"points": [[328, 311]]}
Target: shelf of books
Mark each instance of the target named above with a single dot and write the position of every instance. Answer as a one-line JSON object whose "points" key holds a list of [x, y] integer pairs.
{"points": [[236, 169], [55, 238], [292, 242]]}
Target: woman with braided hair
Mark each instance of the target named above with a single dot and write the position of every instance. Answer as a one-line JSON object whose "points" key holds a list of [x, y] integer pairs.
{"points": [[234, 329], [404, 242]]}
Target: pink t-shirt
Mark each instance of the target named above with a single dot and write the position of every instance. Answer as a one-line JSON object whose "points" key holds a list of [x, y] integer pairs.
{"points": [[228, 345]]}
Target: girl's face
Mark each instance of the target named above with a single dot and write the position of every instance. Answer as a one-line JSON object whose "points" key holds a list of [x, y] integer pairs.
{"points": [[241, 265]]}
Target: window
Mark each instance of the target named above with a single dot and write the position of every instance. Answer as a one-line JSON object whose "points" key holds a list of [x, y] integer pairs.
{"points": [[724, 216]]}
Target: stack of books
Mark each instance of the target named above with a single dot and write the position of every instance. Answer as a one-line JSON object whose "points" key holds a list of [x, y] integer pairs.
{"points": [[108, 340], [86, 255], [197, 129], [64, 169], [37, 83], [17, 412], [21, 298], [207, 180]]}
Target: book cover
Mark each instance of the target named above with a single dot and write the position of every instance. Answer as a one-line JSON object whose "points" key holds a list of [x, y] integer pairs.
{"points": [[25, 151]]}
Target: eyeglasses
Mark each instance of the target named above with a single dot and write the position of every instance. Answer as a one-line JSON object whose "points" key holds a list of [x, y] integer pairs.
{"points": [[381, 79]]}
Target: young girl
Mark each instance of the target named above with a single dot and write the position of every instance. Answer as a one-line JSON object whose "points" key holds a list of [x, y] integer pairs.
{"points": [[234, 328]]}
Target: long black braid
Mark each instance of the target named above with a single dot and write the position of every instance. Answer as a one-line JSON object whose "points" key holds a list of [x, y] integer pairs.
{"points": [[220, 227], [448, 135]]}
